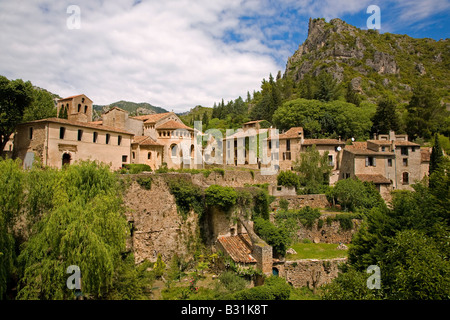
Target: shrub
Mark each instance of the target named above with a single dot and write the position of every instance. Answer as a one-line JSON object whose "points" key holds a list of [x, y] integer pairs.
{"points": [[274, 288], [232, 282], [187, 195], [277, 237], [145, 183], [284, 204], [288, 179], [219, 171], [224, 197], [134, 168]]}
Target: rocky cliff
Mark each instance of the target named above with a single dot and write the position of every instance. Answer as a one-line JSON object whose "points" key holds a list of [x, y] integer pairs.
{"points": [[369, 61]]}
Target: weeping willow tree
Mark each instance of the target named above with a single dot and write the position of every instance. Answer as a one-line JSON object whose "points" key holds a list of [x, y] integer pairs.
{"points": [[86, 227]]}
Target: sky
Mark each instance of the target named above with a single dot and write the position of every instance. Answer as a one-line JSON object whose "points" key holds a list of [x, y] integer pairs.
{"points": [[177, 54]]}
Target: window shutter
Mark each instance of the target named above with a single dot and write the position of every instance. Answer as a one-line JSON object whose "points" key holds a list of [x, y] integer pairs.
{"points": [[374, 161], [367, 161]]}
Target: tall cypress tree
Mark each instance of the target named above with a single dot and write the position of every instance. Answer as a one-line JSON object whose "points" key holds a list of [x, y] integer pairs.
{"points": [[436, 155]]}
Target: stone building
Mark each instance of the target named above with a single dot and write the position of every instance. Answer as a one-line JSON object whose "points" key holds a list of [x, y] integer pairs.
{"points": [[390, 161]]}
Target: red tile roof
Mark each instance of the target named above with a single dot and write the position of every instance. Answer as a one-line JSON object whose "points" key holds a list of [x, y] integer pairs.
{"points": [[152, 118], [405, 143], [237, 247], [329, 142], [81, 124], [360, 148], [145, 141], [292, 133], [71, 97], [172, 124]]}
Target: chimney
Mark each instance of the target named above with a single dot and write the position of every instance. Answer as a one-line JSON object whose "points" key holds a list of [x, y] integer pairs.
{"points": [[374, 136]]}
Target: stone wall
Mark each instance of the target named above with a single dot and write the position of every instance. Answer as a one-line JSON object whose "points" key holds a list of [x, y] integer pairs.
{"points": [[158, 228], [300, 201], [332, 233], [311, 273]]}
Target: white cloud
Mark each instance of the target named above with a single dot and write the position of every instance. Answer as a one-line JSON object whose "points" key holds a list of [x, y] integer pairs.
{"points": [[174, 53]]}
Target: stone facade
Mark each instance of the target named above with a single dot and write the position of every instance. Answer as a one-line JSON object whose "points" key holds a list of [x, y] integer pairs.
{"points": [[311, 273], [301, 201], [332, 233]]}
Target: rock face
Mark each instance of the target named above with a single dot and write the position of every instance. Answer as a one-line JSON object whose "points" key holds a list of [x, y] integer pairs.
{"points": [[365, 58]]}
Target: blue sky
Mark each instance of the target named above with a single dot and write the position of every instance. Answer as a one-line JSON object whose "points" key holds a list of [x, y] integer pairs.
{"points": [[179, 53]]}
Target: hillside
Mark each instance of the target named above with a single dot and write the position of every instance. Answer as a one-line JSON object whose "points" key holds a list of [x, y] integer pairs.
{"points": [[132, 107], [371, 63]]}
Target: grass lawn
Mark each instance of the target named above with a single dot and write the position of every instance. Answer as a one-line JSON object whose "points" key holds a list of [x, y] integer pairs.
{"points": [[316, 251]]}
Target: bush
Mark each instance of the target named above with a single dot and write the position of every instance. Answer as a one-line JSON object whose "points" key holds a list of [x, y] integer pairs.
{"points": [[288, 179], [224, 197], [232, 282], [187, 195], [134, 168], [277, 237], [274, 288], [145, 183], [284, 204], [219, 171]]}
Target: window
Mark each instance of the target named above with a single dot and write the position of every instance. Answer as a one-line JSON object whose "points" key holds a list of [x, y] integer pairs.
{"points": [[95, 137], [173, 149], [405, 162], [371, 162], [149, 156], [80, 135], [330, 160], [124, 158], [119, 140], [270, 144], [288, 145], [133, 155], [383, 149], [286, 156], [347, 176], [62, 132], [405, 178], [108, 136], [389, 162], [79, 108], [30, 133], [82, 100], [404, 151], [85, 109]]}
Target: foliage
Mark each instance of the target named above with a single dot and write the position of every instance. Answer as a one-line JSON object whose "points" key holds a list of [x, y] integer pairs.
{"points": [[353, 194], [86, 227], [284, 204], [343, 119], [424, 113], [224, 197], [328, 89], [274, 288], [288, 179], [436, 155], [187, 195], [159, 267], [135, 168], [145, 183], [314, 170], [15, 97], [386, 117], [277, 237], [232, 282], [41, 107]]}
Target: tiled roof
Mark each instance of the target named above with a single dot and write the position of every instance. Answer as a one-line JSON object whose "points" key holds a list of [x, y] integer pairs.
{"points": [[252, 122], [292, 133], [360, 148], [145, 141], [237, 247], [71, 97], [405, 143], [425, 154], [375, 178], [329, 142], [152, 118], [82, 124], [172, 124], [380, 142]]}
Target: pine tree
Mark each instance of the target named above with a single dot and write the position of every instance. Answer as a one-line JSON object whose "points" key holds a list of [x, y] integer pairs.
{"points": [[328, 88], [385, 117]]}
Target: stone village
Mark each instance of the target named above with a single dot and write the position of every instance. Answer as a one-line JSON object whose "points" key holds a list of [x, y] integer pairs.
{"points": [[388, 160]]}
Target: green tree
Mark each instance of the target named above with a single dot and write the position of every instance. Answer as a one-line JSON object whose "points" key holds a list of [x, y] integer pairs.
{"points": [[436, 155], [277, 237], [288, 179], [42, 106], [386, 118], [223, 197], [15, 97], [328, 89], [424, 113], [314, 170], [351, 96], [86, 227]]}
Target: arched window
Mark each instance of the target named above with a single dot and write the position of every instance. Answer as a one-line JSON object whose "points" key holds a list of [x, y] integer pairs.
{"points": [[85, 109], [173, 150], [79, 107], [62, 132], [119, 140], [149, 156], [192, 151]]}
